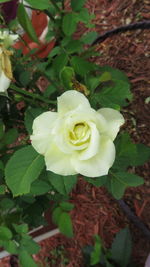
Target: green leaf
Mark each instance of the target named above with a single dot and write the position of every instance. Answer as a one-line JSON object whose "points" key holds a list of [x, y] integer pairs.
{"points": [[63, 184], [66, 206], [89, 37], [97, 181], [30, 115], [117, 188], [39, 187], [10, 136], [81, 66], [69, 24], [7, 203], [56, 215], [10, 246], [55, 51], [66, 76], [115, 73], [85, 17], [25, 22], [74, 46], [29, 244], [50, 90], [106, 76], [21, 229], [2, 129], [25, 259], [42, 5], [59, 62], [96, 253], [77, 5], [142, 156], [122, 247], [121, 180], [24, 78], [65, 225], [5, 233], [126, 152], [2, 189], [117, 93], [22, 169]]}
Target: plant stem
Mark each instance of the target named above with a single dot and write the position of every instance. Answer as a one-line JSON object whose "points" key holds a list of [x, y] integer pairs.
{"points": [[32, 95], [55, 5]]}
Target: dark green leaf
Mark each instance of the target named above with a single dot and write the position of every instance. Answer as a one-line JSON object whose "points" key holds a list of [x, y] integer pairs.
{"points": [[29, 245], [22, 169], [44, 4], [85, 17], [121, 180], [10, 246], [69, 24], [122, 247], [59, 62], [143, 155], [2, 129], [126, 152], [5, 233], [66, 206], [97, 181], [65, 224], [25, 22], [55, 51], [63, 184], [21, 229], [7, 203], [39, 187], [56, 215], [74, 46], [117, 94], [30, 115], [2, 189], [25, 259], [89, 37], [24, 78], [10, 136], [115, 73], [77, 5], [81, 66], [50, 90]]}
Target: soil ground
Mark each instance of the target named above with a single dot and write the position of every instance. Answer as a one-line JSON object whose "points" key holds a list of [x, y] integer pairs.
{"points": [[95, 211]]}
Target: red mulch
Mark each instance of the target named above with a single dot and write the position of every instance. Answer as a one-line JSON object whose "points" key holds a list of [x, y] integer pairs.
{"points": [[96, 212]]}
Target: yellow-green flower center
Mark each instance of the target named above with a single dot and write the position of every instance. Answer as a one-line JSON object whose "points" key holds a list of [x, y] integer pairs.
{"points": [[80, 133]]}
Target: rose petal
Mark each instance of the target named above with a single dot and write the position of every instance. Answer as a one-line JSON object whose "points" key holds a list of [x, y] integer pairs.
{"points": [[114, 121], [42, 128], [100, 163], [71, 100], [93, 146], [58, 162], [4, 82], [44, 123]]}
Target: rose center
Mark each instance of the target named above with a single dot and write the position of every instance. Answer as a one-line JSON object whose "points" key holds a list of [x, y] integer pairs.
{"points": [[80, 134]]}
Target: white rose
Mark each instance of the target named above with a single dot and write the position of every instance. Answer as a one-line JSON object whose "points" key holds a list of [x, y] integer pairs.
{"points": [[7, 39], [77, 139], [4, 81]]}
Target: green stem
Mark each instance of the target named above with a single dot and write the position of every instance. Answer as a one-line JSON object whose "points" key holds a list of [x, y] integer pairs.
{"points": [[32, 95], [49, 15], [55, 5]]}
